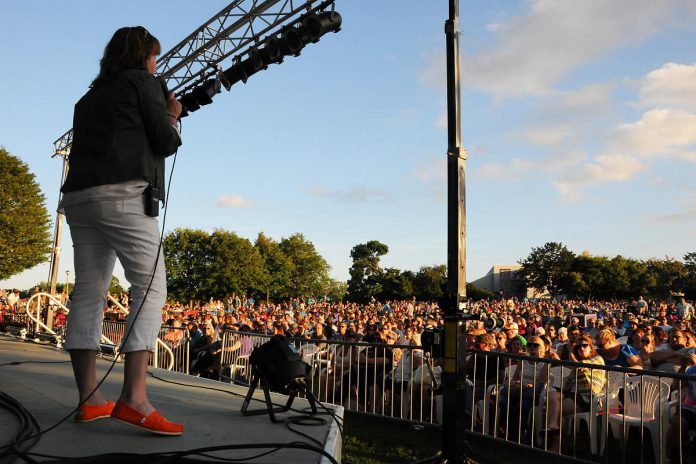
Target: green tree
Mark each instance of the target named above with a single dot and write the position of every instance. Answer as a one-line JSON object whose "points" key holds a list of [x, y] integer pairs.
{"points": [[25, 240], [669, 276], [548, 268], [690, 277], [115, 288], [237, 266], [309, 270], [275, 280], [395, 285], [334, 290], [430, 282], [475, 293], [365, 273], [189, 259]]}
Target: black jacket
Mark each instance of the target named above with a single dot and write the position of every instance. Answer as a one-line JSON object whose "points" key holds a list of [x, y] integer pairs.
{"points": [[121, 132]]}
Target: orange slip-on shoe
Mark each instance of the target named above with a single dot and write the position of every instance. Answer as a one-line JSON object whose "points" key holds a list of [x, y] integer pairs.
{"points": [[87, 413], [155, 422]]}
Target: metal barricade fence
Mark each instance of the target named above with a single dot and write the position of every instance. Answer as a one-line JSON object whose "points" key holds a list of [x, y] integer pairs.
{"points": [[15, 322], [178, 340], [114, 330], [398, 381], [586, 411]]}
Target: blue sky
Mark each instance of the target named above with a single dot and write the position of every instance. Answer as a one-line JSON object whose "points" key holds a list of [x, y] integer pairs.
{"points": [[579, 119]]}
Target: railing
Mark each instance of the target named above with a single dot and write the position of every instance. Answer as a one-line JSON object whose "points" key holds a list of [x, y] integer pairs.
{"points": [[631, 414], [34, 308], [112, 332], [177, 341], [161, 348], [397, 381]]}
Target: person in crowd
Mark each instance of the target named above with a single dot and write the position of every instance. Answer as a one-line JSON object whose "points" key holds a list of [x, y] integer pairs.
{"points": [[615, 353], [565, 351], [644, 342], [561, 338], [511, 330], [516, 345], [581, 385], [501, 340], [670, 360], [483, 370], [340, 334], [525, 387], [123, 128], [685, 311], [206, 354], [549, 352]]}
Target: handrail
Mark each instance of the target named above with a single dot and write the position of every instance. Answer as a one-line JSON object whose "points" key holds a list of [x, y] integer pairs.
{"points": [[37, 318], [160, 343]]}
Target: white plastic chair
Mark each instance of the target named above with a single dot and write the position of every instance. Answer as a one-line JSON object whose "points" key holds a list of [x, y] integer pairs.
{"points": [[644, 397], [485, 409]]}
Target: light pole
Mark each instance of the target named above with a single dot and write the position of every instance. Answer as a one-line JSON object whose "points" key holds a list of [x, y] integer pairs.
{"points": [[67, 286]]}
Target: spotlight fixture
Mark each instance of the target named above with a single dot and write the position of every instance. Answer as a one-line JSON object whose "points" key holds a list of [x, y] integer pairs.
{"points": [[289, 41], [200, 96], [278, 367]]}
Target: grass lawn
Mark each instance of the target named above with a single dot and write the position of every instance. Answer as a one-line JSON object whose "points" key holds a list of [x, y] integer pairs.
{"points": [[377, 440]]}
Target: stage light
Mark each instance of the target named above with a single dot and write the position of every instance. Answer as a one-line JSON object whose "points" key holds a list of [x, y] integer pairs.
{"points": [[199, 96], [313, 25], [271, 52], [205, 92], [277, 367], [289, 41]]}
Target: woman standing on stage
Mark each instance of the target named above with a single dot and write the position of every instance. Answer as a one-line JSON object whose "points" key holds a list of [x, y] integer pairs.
{"points": [[123, 127]]}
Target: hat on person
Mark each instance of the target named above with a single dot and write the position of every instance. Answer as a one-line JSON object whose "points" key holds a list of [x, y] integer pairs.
{"points": [[563, 330], [511, 325]]}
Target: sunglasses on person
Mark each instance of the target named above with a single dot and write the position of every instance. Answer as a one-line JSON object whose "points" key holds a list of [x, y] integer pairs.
{"points": [[582, 345], [533, 345]]}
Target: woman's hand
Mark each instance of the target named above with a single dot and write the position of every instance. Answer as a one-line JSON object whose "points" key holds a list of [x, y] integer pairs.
{"points": [[173, 106]]}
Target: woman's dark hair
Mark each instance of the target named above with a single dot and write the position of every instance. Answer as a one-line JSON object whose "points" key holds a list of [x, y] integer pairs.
{"points": [[127, 49]]}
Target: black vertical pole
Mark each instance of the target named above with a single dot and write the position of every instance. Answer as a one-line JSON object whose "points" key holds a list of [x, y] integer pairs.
{"points": [[453, 424]]}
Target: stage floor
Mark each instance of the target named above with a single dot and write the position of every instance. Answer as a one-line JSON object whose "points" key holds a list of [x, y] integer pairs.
{"points": [[210, 418]]}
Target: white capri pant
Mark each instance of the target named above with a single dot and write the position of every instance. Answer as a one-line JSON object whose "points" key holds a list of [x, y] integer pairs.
{"points": [[101, 232]]}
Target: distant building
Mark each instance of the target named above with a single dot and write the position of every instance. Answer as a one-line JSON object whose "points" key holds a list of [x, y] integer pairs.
{"points": [[503, 280]]}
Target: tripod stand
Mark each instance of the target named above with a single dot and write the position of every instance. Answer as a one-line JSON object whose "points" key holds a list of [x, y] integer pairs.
{"points": [[295, 386]]}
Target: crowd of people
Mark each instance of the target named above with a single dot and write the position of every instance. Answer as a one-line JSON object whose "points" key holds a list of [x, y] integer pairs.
{"points": [[656, 335]]}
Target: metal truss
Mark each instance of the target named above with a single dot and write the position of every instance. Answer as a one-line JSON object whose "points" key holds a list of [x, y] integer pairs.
{"points": [[240, 24]]}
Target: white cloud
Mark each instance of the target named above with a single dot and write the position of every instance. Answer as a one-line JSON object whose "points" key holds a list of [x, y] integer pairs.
{"points": [[352, 195], [434, 170], [549, 135], [687, 213], [589, 100], [548, 166], [535, 51], [232, 201], [671, 86], [603, 169], [660, 132]]}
